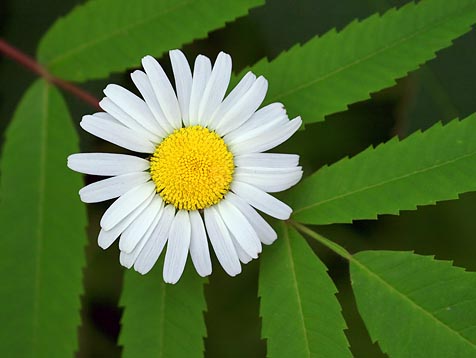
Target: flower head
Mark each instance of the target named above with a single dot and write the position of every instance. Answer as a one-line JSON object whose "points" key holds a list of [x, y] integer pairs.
{"points": [[204, 172]]}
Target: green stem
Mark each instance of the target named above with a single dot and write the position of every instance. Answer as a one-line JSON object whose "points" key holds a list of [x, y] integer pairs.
{"points": [[339, 250], [31, 64]]}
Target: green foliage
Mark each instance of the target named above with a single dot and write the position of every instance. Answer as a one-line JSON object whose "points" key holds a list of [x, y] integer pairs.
{"points": [[416, 306], [425, 168], [327, 74], [43, 235], [412, 305], [301, 315], [163, 320], [104, 36]]}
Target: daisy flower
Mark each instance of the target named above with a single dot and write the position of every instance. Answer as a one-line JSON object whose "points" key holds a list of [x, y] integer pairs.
{"points": [[203, 172]]}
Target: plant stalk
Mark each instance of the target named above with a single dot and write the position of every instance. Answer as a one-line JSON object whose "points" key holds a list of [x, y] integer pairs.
{"points": [[32, 65], [339, 250]]}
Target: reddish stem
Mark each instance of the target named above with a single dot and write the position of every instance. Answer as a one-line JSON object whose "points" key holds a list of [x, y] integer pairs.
{"points": [[29, 63]]}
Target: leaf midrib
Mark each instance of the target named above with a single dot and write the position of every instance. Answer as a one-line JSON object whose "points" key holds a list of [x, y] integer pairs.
{"points": [[429, 26], [115, 33], [385, 182], [295, 284], [40, 213], [411, 302]]}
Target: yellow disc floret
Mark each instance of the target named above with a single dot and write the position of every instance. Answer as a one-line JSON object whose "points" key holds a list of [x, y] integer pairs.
{"points": [[192, 168]]}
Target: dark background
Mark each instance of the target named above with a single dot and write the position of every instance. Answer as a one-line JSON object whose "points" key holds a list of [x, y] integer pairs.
{"points": [[441, 90]]}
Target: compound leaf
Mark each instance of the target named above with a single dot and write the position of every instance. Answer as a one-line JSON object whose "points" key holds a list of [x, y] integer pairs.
{"points": [[301, 314], [107, 36], [163, 320], [415, 306], [43, 230], [438, 164], [328, 73]]}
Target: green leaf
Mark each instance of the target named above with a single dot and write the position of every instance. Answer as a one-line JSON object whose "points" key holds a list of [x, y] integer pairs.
{"points": [[104, 36], [43, 236], [416, 306], [301, 314], [425, 168], [163, 320], [327, 74]]}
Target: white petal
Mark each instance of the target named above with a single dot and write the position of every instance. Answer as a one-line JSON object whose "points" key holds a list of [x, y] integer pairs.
{"points": [[261, 200], [135, 231], [134, 107], [183, 81], [201, 73], [240, 228], [125, 204], [244, 133], [163, 90], [106, 164], [222, 242], [117, 134], [106, 238], [120, 117], [262, 138], [128, 259], [177, 247], [242, 255], [239, 91], [106, 116], [266, 160], [263, 116], [154, 246], [216, 87], [142, 83], [244, 107], [112, 187], [265, 232], [199, 245], [271, 180]]}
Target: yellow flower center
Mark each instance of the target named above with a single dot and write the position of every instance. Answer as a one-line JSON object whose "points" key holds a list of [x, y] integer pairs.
{"points": [[192, 168]]}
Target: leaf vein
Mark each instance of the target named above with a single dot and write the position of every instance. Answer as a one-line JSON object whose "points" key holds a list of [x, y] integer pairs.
{"points": [[131, 26], [41, 201], [412, 303], [376, 185], [295, 284], [372, 54]]}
